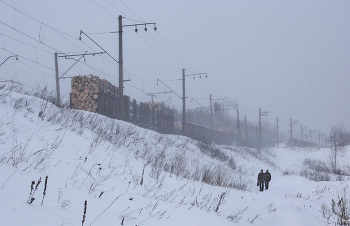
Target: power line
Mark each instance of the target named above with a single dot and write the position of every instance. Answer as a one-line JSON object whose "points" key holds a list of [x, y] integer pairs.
{"points": [[148, 34], [166, 50], [145, 92], [174, 50], [169, 88], [159, 36], [158, 52], [54, 29], [116, 8], [28, 36], [35, 68], [97, 69], [27, 59], [25, 43], [59, 32], [30, 61], [130, 10], [104, 9]]}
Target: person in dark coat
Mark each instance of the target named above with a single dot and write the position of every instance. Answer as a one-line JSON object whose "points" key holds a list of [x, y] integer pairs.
{"points": [[261, 179], [267, 179]]}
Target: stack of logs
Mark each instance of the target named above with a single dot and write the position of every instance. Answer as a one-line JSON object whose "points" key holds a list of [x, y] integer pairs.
{"points": [[89, 90]]}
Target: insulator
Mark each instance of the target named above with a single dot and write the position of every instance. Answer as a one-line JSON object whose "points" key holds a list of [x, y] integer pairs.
{"points": [[155, 28], [136, 30], [145, 28]]}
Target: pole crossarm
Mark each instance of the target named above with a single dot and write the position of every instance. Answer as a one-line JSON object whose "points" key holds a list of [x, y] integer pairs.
{"points": [[132, 25], [155, 94], [264, 113], [195, 109], [127, 25], [67, 56], [227, 104], [227, 107], [150, 94], [223, 99], [294, 122], [196, 74]]}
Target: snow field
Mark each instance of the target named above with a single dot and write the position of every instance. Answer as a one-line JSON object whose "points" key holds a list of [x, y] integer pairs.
{"points": [[80, 166]]}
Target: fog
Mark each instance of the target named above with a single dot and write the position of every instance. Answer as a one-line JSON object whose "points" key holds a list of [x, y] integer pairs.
{"points": [[291, 58]]}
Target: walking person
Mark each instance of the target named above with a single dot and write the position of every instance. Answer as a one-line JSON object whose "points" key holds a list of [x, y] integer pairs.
{"points": [[267, 179], [261, 179]]}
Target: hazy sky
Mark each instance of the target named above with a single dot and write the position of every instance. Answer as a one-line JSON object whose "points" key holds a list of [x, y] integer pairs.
{"points": [[291, 58]]}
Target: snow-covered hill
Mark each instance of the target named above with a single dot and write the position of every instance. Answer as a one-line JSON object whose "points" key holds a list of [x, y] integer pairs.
{"points": [[131, 176]]}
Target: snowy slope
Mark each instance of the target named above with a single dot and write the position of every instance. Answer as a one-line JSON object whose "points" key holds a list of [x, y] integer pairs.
{"points": [[90, 157]]}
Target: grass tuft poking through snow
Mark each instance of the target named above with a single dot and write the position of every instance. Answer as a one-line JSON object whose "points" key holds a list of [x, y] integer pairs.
{"points": [[134, 176]]}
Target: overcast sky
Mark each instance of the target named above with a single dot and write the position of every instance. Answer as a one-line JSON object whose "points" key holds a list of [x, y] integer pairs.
{"points": [[291, 58]]}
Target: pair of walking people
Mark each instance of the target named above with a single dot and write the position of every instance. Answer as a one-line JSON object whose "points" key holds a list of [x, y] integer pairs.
{"points": [[264, 180]]}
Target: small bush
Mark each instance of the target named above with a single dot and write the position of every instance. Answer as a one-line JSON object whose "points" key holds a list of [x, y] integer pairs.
{"points": [[339, 212], [217, 153], [33, 189], [315, 175], [316, 165]]}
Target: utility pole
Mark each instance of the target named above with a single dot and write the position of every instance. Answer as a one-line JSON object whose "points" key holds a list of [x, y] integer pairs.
{"points": [[259, 146], [238, 128], [121, 77], [58, 95], [291, 131], [184, 96], [256, 136], [183, 102], [246, 130], [227, 104], [66, 56], [301, 131], [264, 113], [277, 141], [211, 119], [310, 137], [121, 94], [301, 134]]}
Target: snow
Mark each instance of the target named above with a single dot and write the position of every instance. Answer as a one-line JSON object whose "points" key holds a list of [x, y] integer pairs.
{"points": [[80, 166]]}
